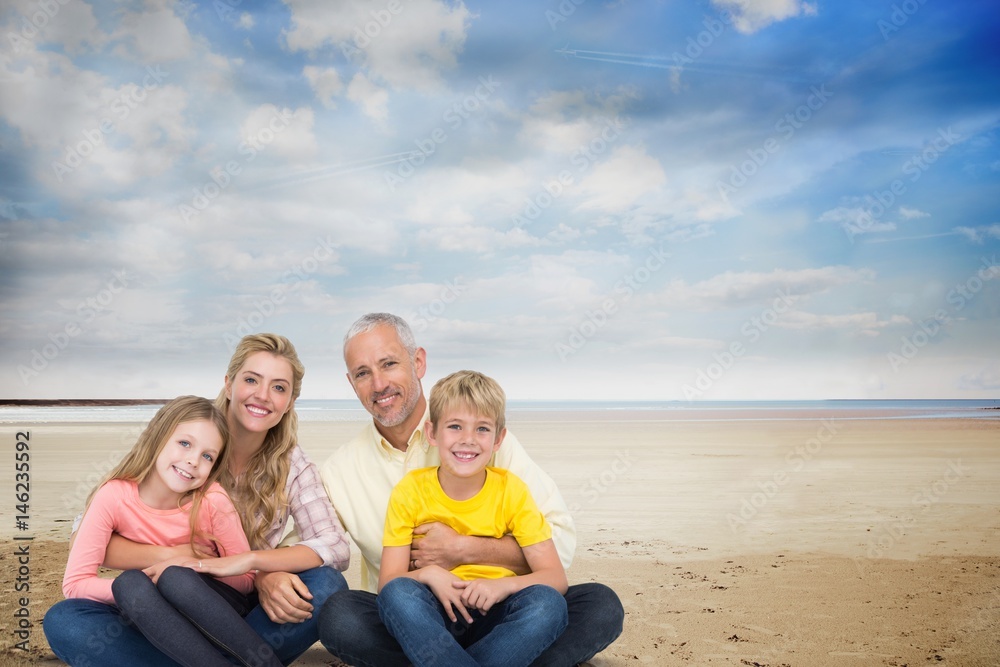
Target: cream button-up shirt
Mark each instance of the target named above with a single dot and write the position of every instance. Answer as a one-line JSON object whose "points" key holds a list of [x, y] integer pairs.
{"points": [[359, 478]]}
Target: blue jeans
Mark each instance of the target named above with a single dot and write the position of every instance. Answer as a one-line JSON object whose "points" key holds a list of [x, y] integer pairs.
{"points": [[187, 615], [513, 632], [85, 633], [350, 628]]}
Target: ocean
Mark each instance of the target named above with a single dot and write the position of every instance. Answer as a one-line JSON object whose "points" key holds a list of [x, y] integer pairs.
{"points": [[345, 410]]}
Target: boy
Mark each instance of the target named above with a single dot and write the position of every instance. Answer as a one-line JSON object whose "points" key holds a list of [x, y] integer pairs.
{"points": [[475, 614]]}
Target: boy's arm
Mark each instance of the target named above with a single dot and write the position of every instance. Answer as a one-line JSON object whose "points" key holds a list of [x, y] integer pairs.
{"points": [[546, 569], [395, 563]]}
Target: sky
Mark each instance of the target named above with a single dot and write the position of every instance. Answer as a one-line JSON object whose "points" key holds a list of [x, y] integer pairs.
{"points": [[660, 201]]}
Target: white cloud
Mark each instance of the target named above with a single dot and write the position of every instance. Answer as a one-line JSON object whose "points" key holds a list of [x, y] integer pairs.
{"points": [[325, 82], [867, 324], [405, 49], [156, 36], [70, 24], [372, 99], [246, 21], [733, 289], [620, 181], [856, 220], [979, 235], [912, 213], [749, 16], [282, 132]]}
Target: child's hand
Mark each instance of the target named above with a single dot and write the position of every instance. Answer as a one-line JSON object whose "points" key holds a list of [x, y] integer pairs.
{"points": [[154, 572], [482, 594], [442, 584]]}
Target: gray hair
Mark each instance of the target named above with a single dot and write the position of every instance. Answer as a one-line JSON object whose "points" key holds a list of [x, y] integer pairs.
{"points": [[366, 323]]}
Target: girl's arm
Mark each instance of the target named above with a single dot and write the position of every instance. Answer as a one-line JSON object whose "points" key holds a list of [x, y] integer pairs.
{"points": [[89, 547]]}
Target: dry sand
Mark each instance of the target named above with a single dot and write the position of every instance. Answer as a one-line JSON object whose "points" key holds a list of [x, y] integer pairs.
{"points": [[819, 540]]}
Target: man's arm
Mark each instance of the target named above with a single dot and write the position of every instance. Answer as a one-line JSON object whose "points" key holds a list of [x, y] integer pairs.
{"points": [[441, 545]]}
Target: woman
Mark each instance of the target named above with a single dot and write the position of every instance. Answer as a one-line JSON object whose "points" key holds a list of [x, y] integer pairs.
{"points": [[269, 479]]}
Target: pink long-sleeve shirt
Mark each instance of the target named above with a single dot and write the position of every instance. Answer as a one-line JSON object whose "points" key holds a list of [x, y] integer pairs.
{"points": [[117, 508]]}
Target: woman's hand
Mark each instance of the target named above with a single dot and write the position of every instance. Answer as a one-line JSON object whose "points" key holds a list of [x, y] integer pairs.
{"points": [[284, 597], [228, 566]]}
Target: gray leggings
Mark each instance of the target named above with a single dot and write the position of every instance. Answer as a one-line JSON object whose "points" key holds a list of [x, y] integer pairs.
{"points": [[189, 617]]}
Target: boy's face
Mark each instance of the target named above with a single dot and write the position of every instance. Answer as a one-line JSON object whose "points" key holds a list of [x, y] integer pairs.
{"points": [[465, 440]]}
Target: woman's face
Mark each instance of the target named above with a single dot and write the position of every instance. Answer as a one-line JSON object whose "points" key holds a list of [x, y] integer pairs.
{"points": [[261, 392]]}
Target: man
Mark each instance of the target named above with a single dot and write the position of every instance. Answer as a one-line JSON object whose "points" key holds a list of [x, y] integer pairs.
{"points": [[385, 367]]}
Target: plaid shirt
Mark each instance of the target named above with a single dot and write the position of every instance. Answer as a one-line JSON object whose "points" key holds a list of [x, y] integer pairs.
{"points": [[316, 524]]}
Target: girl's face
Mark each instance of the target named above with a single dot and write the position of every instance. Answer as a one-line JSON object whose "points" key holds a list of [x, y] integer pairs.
{"points": [[183, 464], [261, 393]]}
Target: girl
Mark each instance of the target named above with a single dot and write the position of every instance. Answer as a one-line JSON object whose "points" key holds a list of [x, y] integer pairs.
{"points": [[164, 492], [270, 480]]}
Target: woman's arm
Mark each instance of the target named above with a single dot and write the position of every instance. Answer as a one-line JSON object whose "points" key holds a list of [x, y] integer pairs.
{"points": [[123, 554], [316, 521]]}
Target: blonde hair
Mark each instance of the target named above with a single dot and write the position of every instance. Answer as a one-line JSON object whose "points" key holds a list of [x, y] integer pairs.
{"points": [[141, 459], [259, 493], [479, 392]]}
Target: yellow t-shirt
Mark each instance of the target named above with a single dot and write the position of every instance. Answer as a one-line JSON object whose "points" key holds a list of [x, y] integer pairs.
{"points": [[503, 506]]}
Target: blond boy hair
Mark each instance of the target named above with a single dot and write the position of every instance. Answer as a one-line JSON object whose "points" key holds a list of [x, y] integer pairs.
{"points": [[482, 394]]}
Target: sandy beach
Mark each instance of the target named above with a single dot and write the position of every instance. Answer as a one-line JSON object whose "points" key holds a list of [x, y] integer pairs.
{"points": [[790, 539]]}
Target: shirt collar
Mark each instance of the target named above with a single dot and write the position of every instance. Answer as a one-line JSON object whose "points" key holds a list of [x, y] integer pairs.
{"points": [[417, 440]]}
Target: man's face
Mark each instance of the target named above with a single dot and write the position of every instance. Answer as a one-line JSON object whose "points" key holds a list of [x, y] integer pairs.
{"points": [[385, 378]]}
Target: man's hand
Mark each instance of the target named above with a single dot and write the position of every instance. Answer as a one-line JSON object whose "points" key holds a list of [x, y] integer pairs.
{"points": [[436, 544], [482, 594], [284, 597]]}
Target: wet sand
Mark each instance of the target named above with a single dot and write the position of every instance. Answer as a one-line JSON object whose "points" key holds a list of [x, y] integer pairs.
{"points": [[792, 539]]}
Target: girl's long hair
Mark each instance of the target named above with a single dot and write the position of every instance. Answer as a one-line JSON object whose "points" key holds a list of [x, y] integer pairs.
{"points": [[139, 462], [259, 493]]}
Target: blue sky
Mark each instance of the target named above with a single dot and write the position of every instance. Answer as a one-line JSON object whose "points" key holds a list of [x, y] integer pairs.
{"points": [[730, 199]]}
